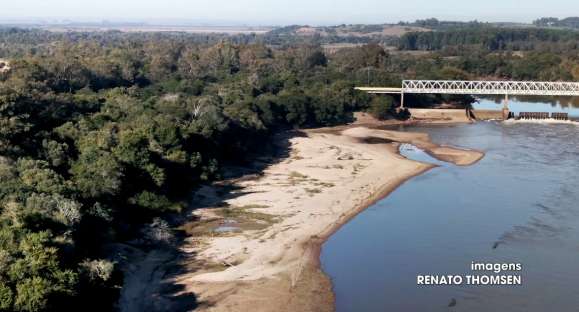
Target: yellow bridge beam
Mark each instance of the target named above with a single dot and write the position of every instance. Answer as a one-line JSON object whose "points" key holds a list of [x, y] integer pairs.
{"points": [[380, 90], [374, 90]]}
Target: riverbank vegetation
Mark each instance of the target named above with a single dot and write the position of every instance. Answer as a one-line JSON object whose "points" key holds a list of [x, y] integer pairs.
{"points": [[102, 135]]}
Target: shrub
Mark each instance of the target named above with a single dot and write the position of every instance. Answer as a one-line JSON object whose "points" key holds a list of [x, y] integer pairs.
{"points": [[380, 107]]}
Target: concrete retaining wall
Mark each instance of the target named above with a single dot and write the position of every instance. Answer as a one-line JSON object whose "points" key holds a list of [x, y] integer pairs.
{"points": [[449, 115], [454, 115], [481, 114]]}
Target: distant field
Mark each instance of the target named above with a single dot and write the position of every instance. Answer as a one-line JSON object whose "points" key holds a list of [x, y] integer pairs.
{"points": [[359, 31], [233, 30], [341, 31]]}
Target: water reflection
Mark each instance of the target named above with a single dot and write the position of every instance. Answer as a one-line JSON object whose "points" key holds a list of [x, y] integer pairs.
{"points": [[558, 105], [565, 102]]}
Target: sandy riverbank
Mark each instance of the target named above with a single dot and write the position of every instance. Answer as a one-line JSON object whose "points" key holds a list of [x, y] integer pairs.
{"points": [[267, 258], [419, 116]]}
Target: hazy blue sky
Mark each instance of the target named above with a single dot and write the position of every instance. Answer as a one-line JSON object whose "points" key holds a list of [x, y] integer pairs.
{"points": [[290, 11]]}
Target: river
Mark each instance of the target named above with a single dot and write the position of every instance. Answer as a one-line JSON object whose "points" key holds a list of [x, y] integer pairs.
{"points": [[519, 204]]}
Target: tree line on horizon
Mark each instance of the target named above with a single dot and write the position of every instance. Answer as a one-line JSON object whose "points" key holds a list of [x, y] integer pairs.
{"points": [[493, 39], [569, 22]]}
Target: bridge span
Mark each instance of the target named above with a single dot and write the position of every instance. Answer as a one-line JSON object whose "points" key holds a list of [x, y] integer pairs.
{"points": [[479, 88]]}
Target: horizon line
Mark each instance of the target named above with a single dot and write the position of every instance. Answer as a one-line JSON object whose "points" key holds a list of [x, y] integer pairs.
{"points": [[114, 21]]}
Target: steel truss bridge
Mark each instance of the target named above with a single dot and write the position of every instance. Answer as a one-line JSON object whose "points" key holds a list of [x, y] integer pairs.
{"points": [[480, 88]]}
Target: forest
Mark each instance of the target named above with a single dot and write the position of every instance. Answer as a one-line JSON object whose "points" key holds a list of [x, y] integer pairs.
{"points": [[104, 135], [493, 39], [569, 22]]}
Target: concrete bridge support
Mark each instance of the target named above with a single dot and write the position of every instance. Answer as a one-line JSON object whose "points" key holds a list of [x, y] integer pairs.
{"points": [[506, 111]]}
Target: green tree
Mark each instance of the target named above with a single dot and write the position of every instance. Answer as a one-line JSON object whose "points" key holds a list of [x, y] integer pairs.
{"points": [[97, 173], [380, 107]]}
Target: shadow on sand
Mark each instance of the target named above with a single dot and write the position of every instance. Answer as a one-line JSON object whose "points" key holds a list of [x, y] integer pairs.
{"points": [[150, 284]]}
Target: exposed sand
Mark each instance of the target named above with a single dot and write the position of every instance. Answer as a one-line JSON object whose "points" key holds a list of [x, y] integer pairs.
{"points": [[273, 265]]}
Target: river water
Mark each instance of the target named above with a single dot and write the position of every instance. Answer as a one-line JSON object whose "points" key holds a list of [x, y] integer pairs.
{"points": [[519, 204]]}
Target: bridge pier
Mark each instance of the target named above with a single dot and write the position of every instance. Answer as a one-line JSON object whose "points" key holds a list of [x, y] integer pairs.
{"points": [[506, 111]]}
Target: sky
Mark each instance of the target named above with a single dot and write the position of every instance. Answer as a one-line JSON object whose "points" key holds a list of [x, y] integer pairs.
{"points": [[277, 12]]}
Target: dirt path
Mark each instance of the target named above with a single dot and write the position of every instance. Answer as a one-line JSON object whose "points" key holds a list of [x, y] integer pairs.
{"points": [[142, 289]]}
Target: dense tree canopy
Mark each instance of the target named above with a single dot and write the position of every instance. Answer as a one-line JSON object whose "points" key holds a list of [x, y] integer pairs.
{"points": [[490, 38]]}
